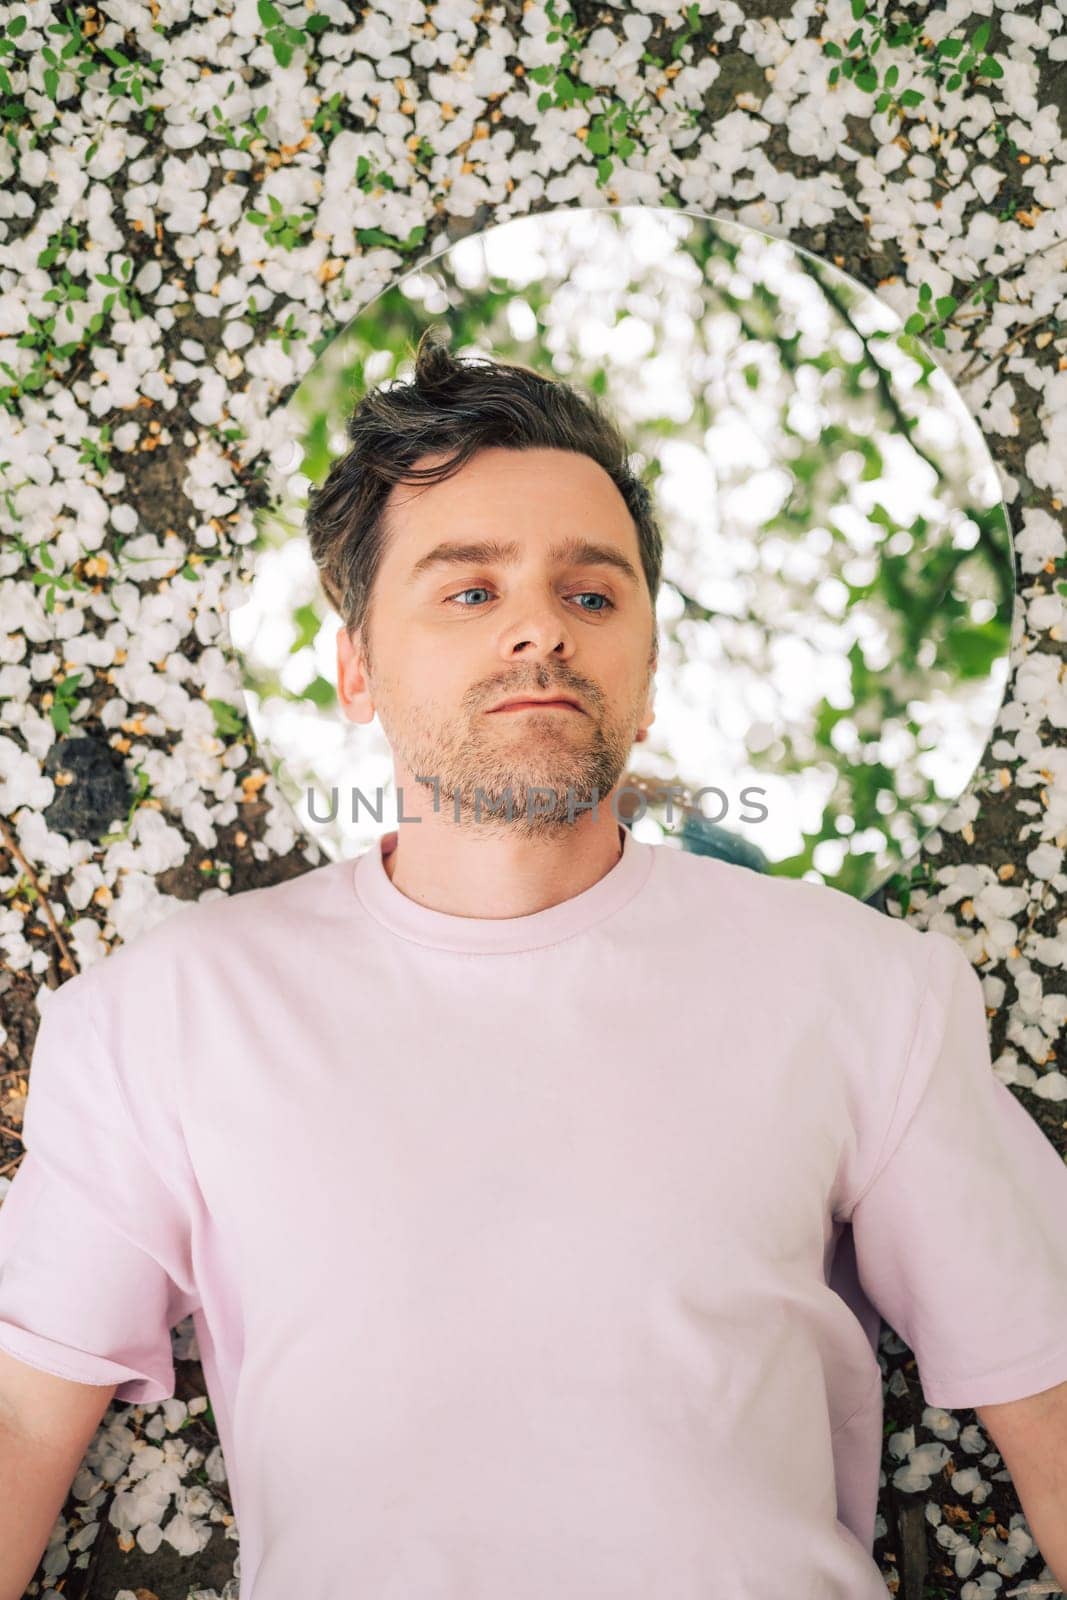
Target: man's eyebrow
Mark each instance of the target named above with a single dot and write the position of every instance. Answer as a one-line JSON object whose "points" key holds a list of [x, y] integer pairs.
{"points": [[575, 552]]}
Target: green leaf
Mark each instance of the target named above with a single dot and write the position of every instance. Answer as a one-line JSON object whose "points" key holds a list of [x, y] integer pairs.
{"points": [[307, 624], [915, 323], [227, 719], [859, 8], [990, 68], [981, 35], [831, 49], [320, 691], [974, 649], [911, 97]]}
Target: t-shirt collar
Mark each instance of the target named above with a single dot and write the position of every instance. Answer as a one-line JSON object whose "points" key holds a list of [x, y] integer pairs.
{"points": [[443, 930]]}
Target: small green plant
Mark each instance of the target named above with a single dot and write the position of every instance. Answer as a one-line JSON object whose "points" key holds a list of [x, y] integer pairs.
{"points": [[140, 792], [11, 32], [953, 60], [901, 884], [365, 236], [567, 87], [129, 74], [64, 699], [973, 62], [282, 37], [67, 238], [610, 130], [1004, 140], [97, 452], [368, 178], [64, 293], [327, 119], [286, 333], [75, 55], [78, 54], [932, 314], [692, 17], [250, 314], [424, 152], [42, 335], [13, 108], [228, 720], [122, 288], [249, 134], [609, 135], [50, 579], [279, 229]]}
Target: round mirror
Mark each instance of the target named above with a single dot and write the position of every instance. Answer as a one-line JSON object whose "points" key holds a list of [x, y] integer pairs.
{"points": [[838, 575]]}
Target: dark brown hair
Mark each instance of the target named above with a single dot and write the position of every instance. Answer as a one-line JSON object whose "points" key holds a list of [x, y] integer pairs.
{"points": [[459, 406]]}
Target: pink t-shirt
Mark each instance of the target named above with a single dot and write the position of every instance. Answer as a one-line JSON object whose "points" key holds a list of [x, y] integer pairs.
{"points": [[510, 1243]]}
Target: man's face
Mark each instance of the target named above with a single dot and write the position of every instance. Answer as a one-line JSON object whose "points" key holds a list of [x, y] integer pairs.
{"points": [[451, 639]]}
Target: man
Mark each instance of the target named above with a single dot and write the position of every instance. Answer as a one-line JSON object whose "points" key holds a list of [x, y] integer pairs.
{"points": [[503, 1170]]}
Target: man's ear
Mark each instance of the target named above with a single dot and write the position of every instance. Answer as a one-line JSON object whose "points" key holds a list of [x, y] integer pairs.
{"points": [[353, 690]]}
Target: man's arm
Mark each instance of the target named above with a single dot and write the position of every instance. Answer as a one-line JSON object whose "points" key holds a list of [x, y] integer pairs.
{"points": [[46, 1425], [1031, 1435]]}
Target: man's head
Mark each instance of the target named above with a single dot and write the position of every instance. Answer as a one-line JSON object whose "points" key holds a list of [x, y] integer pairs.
{"points": [[473, 455]]}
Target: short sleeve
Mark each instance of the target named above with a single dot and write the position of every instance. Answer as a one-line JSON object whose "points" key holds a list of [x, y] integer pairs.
{"points": [[94, 1253], [961, 1233]]}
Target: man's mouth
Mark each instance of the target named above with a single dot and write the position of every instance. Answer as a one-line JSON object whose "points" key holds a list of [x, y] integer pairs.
{"points": [[537, 705]]}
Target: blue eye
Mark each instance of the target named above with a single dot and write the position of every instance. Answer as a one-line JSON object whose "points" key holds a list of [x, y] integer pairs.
{"points": [[475, 588]]}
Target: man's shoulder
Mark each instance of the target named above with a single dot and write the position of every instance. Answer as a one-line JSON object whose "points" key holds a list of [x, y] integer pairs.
{"points": [[786, 914], [206, 930]]}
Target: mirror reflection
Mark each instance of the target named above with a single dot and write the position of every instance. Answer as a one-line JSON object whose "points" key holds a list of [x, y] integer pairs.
{"points": [[834, 611]]}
